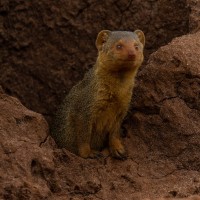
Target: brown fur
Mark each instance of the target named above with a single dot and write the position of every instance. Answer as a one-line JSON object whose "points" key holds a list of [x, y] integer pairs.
{"points": [[89, 120]]}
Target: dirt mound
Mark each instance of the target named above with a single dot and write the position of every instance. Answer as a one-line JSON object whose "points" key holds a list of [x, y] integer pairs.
{"points": [[166, 100], [166, 109], [47, 46], [22, 132]]}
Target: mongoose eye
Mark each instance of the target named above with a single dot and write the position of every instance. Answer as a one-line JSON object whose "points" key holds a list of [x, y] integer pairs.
{"points": [[136, 46], [119, 46]]}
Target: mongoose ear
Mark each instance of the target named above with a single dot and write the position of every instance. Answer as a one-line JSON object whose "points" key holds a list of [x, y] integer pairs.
{"points": [[141, 36], [102, 38]]}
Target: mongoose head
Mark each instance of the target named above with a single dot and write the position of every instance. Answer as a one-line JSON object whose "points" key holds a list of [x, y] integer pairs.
{"points": [[120, 50]]}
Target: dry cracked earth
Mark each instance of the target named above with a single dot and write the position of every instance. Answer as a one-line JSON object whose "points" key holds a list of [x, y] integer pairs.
{"points": [[46, 47]]}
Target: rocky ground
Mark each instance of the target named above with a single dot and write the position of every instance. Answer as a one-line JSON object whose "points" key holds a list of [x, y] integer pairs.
{"points": [[38, 68]]}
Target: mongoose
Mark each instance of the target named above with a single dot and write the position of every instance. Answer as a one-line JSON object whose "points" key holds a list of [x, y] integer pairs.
{"points": [[90, 117]]}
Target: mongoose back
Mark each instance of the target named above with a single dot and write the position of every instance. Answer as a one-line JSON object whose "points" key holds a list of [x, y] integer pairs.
{"points": [[90, 117]]}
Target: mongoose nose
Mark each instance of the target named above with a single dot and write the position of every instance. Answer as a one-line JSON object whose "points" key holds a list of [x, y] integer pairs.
{"points": [[131, 55]]}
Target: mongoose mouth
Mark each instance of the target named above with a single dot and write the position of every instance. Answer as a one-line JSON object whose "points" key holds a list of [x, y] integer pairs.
{"points": [[127, 61], [124, 66], [131, 59]]}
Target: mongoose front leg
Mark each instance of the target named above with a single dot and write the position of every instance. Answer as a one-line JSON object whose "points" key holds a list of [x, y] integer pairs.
{"points": [[116, 147], [84, 147]]}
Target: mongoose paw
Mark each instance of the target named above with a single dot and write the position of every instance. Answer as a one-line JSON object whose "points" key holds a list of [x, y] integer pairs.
{"points": [[86, 152], [119, 153], [95, 154]]}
